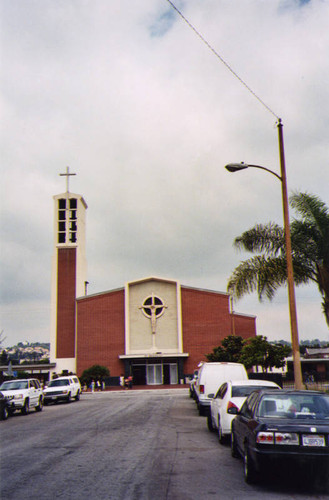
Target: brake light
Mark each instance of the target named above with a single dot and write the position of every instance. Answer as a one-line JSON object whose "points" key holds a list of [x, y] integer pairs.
{"points": [[277, 437], [231, 405], [286, 438], [201, 389], [265, 438]]}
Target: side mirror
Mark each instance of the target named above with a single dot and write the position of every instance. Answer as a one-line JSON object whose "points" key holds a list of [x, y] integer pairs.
{"points": [[211, 395], [233, 411]]}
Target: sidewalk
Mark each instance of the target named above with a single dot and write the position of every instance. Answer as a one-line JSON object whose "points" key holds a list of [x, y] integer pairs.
{"points": [[140, 388]]}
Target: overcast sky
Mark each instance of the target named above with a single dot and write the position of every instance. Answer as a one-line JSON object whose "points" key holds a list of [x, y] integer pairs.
{"points": [[126, 94]]}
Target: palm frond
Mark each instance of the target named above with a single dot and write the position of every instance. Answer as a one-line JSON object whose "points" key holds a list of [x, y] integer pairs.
{"points": [[267, 238]]}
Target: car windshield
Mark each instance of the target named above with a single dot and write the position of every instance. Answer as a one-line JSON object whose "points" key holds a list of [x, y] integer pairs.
{"points": [[58, 383], [242, 391], [315, 406], [15, 384]]}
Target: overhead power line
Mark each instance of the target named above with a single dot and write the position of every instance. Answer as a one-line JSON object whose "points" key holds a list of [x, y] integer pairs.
{"points": [[222, 60]]}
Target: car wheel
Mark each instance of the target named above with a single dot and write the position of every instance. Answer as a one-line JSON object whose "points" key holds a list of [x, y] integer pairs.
{"points": [[26, 407], [40, 405], [5, 413], [68, 399], [201, 411], [250, 475], [209, 423], [234, 448], [221, 437], [77, 397]]}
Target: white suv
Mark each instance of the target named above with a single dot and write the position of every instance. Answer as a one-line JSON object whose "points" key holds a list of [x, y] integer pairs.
{"points": [[63, 389], [23, 395]]}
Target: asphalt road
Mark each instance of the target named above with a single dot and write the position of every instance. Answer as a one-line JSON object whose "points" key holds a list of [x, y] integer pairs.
{"points": [[127, 445]]}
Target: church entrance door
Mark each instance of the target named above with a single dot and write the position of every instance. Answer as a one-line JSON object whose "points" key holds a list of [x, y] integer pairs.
{"points": [[154, 374]]}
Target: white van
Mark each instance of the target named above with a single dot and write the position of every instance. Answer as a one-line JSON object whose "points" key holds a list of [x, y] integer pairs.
{"points": [[211, 376]]}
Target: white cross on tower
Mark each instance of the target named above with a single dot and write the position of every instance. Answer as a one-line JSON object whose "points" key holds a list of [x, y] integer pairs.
{"points": [[67, 175]]}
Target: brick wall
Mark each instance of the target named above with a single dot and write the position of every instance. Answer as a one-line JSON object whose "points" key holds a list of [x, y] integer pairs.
{"points": [[205, 316], [100, 326], [206, 322], [66, 290]]}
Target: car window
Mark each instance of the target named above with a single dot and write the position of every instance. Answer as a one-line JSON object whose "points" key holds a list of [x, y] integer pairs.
{"points": [[14, 385], [241, 391], [300, 406], [218, 394], [222, 391], [58, 383], [245, 410]]}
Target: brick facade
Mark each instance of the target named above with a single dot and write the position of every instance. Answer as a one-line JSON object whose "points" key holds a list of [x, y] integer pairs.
{"points": [[66, 293], [101, 331], [206, 320]]}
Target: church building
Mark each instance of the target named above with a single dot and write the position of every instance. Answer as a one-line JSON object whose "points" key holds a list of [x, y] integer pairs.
{"points": [[154, 328]]}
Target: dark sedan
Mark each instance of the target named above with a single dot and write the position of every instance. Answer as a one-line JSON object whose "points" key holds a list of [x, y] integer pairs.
{"points": [[282, 431]]}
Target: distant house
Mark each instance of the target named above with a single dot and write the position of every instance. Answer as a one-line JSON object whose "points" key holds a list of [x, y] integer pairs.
{"points": [[315, 364]]}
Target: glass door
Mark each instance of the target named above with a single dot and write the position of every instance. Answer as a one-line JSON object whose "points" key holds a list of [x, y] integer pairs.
{"points": [[154, 374], [173, 373]]}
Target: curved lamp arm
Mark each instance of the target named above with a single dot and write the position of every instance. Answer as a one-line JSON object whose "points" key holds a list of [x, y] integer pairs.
{"points": [[236, 167]]}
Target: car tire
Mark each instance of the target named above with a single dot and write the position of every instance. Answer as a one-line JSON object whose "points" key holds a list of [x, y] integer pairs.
{"points": [[77, 397], [221, 437], [26, 408], [234, 448], [201, 411], [40, 405], [250, 475], [69, 398], [209, 423], [4, 413]]}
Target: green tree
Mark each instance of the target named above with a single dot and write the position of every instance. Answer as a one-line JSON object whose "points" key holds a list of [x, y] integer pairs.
{"points": [[95, 372], [4, 358], [266, 271], [258, 351], [230, 350]]}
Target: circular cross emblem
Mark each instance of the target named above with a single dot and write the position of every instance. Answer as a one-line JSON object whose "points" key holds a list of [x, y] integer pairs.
{"points": [[153, 307]]}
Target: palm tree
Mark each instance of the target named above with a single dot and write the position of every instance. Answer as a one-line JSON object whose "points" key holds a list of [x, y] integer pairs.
{"points": [[266, 271]]}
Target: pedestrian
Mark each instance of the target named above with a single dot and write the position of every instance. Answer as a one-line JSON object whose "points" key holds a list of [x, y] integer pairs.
{"points": [[92, 385], [130, 382], [122, 381]]}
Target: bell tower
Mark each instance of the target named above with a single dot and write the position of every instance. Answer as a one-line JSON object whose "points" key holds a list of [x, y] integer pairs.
{"points": [[69, 271]]}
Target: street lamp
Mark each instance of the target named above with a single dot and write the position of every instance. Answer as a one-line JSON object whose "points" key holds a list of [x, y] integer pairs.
{"points": [[236, 167]]}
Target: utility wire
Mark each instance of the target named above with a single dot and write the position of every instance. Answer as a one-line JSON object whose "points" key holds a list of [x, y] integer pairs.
{"points": [[222, 60]]}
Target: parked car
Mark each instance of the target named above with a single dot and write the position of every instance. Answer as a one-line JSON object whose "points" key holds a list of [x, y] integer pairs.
{"points": [[211, 376], [282, 430], [23, 395], [63, 389], [4, 407], [228, 400]]}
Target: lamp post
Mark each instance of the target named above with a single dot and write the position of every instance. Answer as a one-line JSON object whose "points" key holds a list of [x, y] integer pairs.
{"points": [[235, 167]]}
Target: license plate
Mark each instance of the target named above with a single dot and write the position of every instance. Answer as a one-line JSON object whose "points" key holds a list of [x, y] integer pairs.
{"points": [[310, 440]]}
